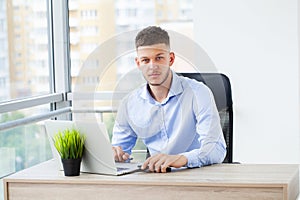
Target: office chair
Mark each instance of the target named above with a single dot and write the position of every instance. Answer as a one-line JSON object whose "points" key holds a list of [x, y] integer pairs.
{"points": [[221, 89]]}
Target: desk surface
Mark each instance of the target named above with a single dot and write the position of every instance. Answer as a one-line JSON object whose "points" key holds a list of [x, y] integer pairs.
{"points": [[246, 181]]}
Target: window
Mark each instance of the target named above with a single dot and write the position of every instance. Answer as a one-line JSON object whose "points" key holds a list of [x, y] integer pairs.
{"points": [[89, 31], [89, 14], [120, 16], [26, 67], [30, 28], [24, 76]]}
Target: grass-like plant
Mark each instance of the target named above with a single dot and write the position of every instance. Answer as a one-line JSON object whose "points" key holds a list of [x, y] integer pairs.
{"points": [[69, 143]]}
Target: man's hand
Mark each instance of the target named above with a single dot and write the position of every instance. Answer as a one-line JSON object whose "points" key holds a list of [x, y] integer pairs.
{"points": [[160, 162], [119, 154]]}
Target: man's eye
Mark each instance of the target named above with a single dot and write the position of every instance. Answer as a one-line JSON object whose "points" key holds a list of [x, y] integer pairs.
{"points": [[159, 58], [145, 60]]}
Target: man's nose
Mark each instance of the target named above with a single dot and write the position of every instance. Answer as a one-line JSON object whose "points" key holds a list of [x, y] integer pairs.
{"points": [[152, 64]]}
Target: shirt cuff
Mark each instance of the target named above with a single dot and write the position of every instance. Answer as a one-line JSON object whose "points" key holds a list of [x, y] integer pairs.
{"points": [[192, 160]]}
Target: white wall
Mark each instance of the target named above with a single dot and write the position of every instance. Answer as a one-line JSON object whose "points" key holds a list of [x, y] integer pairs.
{"points": [[255, 43]]}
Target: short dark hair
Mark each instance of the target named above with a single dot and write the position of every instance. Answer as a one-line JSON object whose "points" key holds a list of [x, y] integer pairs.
{"points": [[152, 35]]}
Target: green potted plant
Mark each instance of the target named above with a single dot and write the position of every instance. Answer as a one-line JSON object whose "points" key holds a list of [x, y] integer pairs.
{"points": [[70, 145]]}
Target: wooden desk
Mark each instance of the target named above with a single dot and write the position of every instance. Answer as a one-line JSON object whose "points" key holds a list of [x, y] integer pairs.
{"points": [[224, 181]]}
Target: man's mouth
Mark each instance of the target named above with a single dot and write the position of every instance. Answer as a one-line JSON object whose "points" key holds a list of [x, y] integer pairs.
{"points": [[154, 74]]}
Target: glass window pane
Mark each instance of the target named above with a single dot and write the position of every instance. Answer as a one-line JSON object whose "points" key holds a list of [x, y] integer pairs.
{"points": [[24, 67], [101, 58], [22, 147], [94, 22]]}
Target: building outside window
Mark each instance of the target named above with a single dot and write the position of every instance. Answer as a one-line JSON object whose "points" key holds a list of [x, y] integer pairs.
{"points": [[25, 63], [24, 72]]}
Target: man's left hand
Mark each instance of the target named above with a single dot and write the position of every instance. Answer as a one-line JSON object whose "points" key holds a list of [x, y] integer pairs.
{"points": [[160, 162]]}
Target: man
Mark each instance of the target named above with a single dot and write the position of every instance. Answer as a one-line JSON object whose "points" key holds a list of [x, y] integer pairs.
{"points": [[175, 117]]}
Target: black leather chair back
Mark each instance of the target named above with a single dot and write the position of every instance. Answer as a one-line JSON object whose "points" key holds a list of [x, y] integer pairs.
{"points": [[221, 89]]}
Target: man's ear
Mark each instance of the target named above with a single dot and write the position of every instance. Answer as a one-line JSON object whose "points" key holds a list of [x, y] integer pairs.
{"points": [[172, 58], [137, 61]]}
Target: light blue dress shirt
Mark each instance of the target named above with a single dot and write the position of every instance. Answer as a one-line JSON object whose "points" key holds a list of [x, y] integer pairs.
{"points": [[186, 122]]}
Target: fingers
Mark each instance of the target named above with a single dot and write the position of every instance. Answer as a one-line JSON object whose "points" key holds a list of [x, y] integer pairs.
{"points": [[145, 164], [162, 162], [148, 164], [125, 156], [156, 163], [159, 164], [165, 168], [119, 154]]}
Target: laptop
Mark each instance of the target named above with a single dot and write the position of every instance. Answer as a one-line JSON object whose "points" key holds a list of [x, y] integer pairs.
{"points": [[98, 154]]}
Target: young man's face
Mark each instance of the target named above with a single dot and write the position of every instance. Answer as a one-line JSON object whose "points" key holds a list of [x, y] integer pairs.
{"points": [[155, 61]]}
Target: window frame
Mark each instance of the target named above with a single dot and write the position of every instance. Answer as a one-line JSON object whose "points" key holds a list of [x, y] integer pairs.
{"points": [[59, 72]]}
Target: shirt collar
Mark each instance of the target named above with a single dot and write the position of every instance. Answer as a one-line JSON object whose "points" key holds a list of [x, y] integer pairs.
{"points": [[176, 88]]}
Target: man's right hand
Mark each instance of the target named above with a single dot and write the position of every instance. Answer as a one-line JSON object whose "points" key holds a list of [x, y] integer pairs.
{"points": [[119, 154]]}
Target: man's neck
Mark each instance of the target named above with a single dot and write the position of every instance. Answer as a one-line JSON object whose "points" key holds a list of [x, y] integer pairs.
{"points": [[160, 92]]}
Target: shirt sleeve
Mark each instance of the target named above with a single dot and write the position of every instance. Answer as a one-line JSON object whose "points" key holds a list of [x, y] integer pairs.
{"points": [[212, 144], [123, 135]]}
